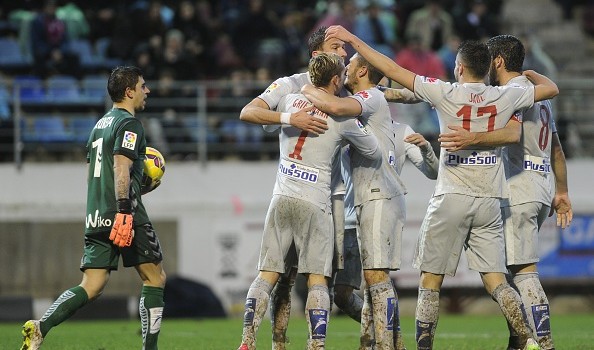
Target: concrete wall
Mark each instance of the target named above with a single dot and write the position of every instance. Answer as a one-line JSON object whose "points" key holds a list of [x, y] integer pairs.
{"points": [[209, 219]]}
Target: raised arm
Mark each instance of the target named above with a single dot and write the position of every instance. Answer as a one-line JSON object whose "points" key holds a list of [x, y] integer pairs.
{"points": [[544, 88], [258, 112], [561, 203], [460, 138], [333, 105], [383, 63]]}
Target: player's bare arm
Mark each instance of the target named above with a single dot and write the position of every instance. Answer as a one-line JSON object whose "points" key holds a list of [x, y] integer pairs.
{"points": [[460, 138], [419, 141], [382, 62], [121, 171], [333, 105], [561, 203], [399, 95], [544, 88], [258, 112]]}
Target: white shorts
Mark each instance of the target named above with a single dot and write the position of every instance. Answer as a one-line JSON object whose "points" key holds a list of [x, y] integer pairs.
{"points": [[380, 226], [521, 224], [294, 220], [456, 222]]}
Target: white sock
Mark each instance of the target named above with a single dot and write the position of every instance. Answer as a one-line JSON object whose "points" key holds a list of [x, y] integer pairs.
{"points": [[317, 313], [256, 304], [536, 305], [382, 297], [427, 315]]}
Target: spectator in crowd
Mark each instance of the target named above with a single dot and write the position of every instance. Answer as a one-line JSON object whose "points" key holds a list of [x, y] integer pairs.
{"points": [[148, 21], [175, 57], [432, 24], [447, 54], [144, 59], [416, 58], [342, 13], [477, 23], [198, 39], [254, 35], [50, 44], [377, 27], [102, 15], [76, 22]]}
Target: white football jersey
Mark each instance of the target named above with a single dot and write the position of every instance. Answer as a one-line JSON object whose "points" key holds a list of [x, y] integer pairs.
{"points": [[282, 87], [305, 163], [528, 163], [428, 165], [476, 107], [376, 179]]}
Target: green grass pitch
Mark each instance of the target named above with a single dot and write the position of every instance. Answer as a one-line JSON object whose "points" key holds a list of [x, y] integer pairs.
{"points": [[453, 332]]}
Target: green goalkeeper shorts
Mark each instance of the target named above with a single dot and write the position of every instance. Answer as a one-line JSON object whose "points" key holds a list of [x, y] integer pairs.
{"points": [[101, 253]]}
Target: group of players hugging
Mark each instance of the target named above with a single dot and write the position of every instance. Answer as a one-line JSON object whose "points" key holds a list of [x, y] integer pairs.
{"points": [[337, 212]]}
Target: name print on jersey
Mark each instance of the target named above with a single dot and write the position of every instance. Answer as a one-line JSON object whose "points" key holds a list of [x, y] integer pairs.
{"points": [[300, 104], [298, 171], [104, 123]]}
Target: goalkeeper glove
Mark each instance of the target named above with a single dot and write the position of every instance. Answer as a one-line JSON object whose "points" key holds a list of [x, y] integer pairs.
{"points": [[122, 230]]}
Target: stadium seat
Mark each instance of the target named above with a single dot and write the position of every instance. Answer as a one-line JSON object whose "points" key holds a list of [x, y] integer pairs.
{"points": [[50, 129], [94, 87], [63, 88], [81, 128], [241, 132], [11, 56], [194, 126], [29, 88], [84, 49]]}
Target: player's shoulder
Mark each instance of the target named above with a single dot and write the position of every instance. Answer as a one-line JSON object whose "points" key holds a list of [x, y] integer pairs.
{"points": [[287, 84], [519, 81]]}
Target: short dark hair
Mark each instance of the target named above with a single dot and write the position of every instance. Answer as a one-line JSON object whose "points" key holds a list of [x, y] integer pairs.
{"points": [[475, 56], [323, 67], [316, 40], [120, 79], [373, 74], [510, 48]]}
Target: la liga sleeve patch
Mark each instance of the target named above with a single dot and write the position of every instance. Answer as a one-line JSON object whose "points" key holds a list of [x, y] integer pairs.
{"points": [[129, 140], [270, 88]]}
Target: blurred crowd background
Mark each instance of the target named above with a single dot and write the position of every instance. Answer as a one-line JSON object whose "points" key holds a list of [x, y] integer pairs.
{"points": [[205, 59]]}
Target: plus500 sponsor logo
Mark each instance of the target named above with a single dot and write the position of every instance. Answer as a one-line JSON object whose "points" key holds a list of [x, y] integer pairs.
{"points": [[97, 221], [473, 159], [541, 168], [301, 173]]}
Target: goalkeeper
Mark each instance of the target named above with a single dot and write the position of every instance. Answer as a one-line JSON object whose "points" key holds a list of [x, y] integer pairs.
{"points": [[116, 220]]}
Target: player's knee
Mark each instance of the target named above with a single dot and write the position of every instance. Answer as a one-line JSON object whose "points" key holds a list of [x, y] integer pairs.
{"points": [[375, 276]]}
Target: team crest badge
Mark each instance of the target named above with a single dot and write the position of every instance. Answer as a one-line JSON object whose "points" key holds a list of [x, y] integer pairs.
{"points": [[363, 94], [429, 80]]}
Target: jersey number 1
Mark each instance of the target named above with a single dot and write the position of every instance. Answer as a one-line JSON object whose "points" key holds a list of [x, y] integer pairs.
{"points": [[465, 113], [296, 154]]}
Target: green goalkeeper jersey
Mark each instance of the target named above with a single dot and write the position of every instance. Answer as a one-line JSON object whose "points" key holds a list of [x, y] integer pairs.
{"points": [[118, 132]]}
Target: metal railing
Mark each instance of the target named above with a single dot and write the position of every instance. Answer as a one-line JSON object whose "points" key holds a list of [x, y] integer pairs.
{"points": [[199, 121]]}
